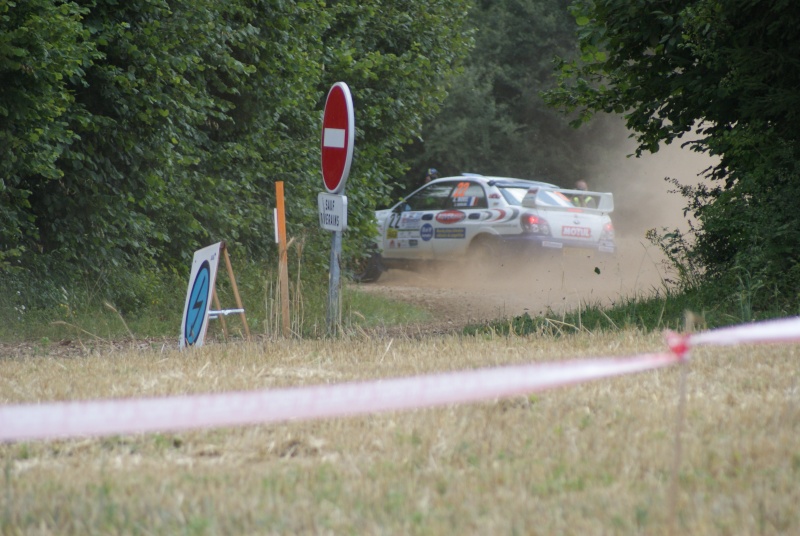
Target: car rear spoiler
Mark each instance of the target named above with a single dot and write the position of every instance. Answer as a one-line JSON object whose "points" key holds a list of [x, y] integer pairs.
{"points": [[554, 198]]}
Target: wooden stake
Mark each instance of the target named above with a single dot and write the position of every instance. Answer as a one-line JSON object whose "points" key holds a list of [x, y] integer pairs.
{"points": [[218, 307], [675, 489], [283, 259], [235, 288]]}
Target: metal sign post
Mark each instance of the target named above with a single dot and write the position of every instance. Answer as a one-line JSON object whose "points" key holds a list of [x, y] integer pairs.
{"points": [[334, 311], [338, 137]]}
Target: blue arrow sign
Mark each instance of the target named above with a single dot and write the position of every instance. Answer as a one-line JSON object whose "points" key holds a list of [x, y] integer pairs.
{"points": [[198, 303]]}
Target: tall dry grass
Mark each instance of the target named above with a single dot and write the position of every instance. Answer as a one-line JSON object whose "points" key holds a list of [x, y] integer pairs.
{"points": [[590, 459]]}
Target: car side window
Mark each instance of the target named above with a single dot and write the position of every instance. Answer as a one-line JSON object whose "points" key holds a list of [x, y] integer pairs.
{"points": [[434, 197], [468, 194], [514, 195]]}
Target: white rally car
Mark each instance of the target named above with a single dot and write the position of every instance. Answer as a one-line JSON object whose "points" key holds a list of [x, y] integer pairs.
{"points": [[486, 218]]}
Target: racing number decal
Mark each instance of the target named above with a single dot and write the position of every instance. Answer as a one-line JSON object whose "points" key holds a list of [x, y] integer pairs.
{"points": [[394, 220], [461, 189]]}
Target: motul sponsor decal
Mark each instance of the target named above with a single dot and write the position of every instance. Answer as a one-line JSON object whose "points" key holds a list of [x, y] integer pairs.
{"points": [[449, 217], [576, 232]]}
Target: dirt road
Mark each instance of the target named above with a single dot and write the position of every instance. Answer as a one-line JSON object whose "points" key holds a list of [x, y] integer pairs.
{"points": [[560, 283]]}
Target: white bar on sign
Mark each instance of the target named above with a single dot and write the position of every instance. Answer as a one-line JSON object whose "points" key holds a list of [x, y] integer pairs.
{"points": [[334, 137], [275, 224]]}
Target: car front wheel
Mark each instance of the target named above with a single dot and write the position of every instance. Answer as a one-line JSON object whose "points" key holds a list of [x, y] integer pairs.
{"points": [[371, 270]]}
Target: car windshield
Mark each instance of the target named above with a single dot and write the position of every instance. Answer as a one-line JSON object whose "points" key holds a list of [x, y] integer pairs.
{"points": [[513, 194]]}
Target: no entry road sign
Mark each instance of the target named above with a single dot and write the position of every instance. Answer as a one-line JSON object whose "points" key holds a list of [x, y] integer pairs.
{"points": [[338, 135]]}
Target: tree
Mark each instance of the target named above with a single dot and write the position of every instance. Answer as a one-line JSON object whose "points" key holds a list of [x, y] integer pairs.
{"points": [[730, 72], [494, 120], [43, 50], [398, 58], [137, 131]]}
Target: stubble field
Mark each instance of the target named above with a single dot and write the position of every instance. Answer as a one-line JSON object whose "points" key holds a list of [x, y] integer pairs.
{"points": [[596, 458]]}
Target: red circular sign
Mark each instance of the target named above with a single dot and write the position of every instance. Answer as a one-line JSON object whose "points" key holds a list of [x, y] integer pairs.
{"points": [[338, 135]]}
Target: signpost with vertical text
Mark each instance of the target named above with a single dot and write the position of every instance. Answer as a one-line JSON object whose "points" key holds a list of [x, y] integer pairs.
{"points": [[338, 138]]}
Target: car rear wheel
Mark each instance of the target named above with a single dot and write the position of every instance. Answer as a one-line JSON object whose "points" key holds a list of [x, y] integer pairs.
{"points": [[483, 255]]}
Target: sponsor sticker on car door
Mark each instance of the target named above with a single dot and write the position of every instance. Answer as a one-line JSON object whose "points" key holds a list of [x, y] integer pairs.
{"points": [[450, 217], [454, 227]]}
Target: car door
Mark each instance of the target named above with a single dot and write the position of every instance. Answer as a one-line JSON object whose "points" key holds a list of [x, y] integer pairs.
{"points": [[456, 225], [408, 230]]}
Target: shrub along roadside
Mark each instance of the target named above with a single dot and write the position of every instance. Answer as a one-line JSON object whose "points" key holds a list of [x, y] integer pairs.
{"points": [[150, 305], [132, 131], [667, 309]]}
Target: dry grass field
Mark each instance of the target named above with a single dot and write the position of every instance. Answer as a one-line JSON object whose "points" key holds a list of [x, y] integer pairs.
{"points": [[596, 458]]}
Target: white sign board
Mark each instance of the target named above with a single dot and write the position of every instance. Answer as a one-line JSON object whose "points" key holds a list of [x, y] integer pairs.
{"points": [[332, 211], [199, 295]]}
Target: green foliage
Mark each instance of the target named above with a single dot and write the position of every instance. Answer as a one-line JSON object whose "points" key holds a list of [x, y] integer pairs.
{"points": [[398, 58], [680, 257], [43, 50], [135, 132], [668, 66], [494, 120], [151, 306], [752, 227], [729, 72], [372, 311], [661, 311]]}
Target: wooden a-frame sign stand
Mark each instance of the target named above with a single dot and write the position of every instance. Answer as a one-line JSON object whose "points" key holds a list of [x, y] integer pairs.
{"points": [[202, 282], [222, 313]]}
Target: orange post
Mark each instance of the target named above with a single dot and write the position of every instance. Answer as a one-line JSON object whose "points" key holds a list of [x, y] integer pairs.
{"points": [[283, 259]]}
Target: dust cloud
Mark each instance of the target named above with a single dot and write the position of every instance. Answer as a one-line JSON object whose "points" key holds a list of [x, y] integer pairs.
{"points": [[643, 199], [555, 283], [552, 283]]}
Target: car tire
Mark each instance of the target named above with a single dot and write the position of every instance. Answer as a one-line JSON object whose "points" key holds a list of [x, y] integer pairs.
{"points": [[373, 268], [483, 255]]}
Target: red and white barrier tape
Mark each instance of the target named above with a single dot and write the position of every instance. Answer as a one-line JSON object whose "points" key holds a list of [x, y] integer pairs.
{"points": [[112, 417], [770, 331], [782, 330]]}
